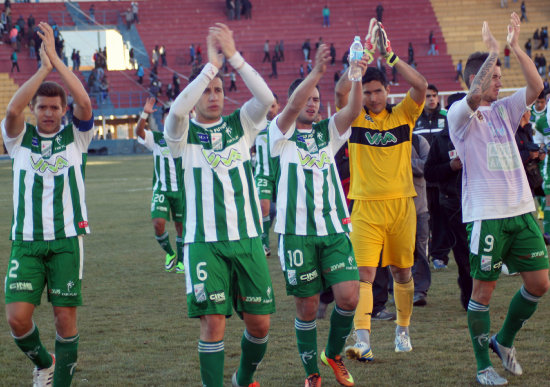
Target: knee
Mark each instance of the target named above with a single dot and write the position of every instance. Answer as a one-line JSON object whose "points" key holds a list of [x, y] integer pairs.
{"points": [[538, 288], [19, 324], [158, 226], [260, 328]]}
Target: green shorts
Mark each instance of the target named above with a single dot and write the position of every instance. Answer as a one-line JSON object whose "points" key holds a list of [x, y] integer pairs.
{"points": [[57, 264], [515, 241], [313, 263], [164, 202], [221, 274], [265, 187]]}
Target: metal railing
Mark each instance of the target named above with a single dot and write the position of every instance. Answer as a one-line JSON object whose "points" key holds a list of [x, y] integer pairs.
{"points": [[120, 99], [102, 17]]}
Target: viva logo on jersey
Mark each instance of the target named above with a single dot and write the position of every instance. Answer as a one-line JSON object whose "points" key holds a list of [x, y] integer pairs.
{"points": [[310, 161], [215, 159], [380, 139], [42, 166]]}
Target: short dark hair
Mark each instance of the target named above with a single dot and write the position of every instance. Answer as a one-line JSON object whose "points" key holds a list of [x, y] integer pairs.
{"points": [[373, 74], [295, 84], [432, 87], [50, 89], [474, 63], [542, 94], [197, 70], [276, 97]]}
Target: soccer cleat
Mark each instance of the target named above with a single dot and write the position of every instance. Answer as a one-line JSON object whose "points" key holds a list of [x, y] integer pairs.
{"points": [[313, 380], [235, 384], [180, 268], [507, 355], [342, 375], [384, 315], [403, 342], [42, 377], [439, 264], [170, 262], [489, 377], [370, 40], [360, 351], [267, 250]]}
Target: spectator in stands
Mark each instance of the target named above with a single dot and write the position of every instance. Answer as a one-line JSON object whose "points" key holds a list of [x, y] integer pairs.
{"points": [[523, 12], [4, 20], [543, 38], [199, 55], [32, 49], [542, 65], [336, 79], [267, 57], [162, 53], [536, 37], [433, 47], [109, 134], [170, 92], [233, 80], [176, 83], [326, 16], [135, 9], [273, 67], [332, 54], [13, 37], [379, 12], [306, 48], [132, 57], [77, 60], [281, 51], [129, 16], [91, 12], [140, 73], [14, 62], [238, 9], [410, 60], [247, 9], [155, 56], [191, 53], [318, 43], [309, 66], [230, 6], [528, 47], [459, 71], [507, 56], [345, 62]]}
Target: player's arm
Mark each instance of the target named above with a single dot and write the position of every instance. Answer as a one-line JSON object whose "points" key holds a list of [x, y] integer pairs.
{"points": [[351, 110], [177, 121], [257, 107], [15, 118], [299, 97], [482, 80], [534, 81], [342, 90], [82, 103], [414, 78], [148, 108]]}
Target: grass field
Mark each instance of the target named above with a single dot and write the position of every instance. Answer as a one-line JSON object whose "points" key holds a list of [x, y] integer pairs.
{"points": [[134, 329]]}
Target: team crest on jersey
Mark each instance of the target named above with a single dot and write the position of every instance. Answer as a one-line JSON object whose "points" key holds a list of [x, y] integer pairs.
{"points": [[200, 294], [441, 123], [311, 145], [368, 118], [46, 148], [479, 116], [217, 141], [58, 140]]}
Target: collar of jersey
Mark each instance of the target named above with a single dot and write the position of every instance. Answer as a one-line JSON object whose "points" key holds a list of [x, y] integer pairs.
{"points": [[207, 126]]}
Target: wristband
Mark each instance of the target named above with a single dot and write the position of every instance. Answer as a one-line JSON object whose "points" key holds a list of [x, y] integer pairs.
{"points": [[144, 116], [210, 71], [236, 61], [392, 59]]}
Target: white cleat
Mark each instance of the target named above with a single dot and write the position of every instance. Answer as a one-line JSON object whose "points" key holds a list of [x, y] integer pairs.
{"points": [[43, 377], [489, 377], [403, 342], [507, 355]]}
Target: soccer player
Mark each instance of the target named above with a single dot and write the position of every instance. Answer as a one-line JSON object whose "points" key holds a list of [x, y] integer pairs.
{"points": [[313, 219], [497, 201], [167, 185], [49, 212], [224, 260], [383, 215], [264, 176]]}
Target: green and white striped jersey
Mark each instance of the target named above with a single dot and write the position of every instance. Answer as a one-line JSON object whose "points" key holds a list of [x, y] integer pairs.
{"points": [[263, 157], [310, 199], [167, 176], [220, 198], [48, 182]]}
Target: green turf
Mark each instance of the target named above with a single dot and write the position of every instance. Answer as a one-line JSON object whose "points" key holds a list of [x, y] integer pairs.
{"points": [[134, 329]]}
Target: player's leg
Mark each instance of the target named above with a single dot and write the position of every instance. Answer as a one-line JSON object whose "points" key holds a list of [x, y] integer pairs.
{"points": [[64, 273], [207, 284], [24, 284], [297, 255], [160, 213], [253, 299], [265, 204], [398, 253], [176, 207], [180, 267]]}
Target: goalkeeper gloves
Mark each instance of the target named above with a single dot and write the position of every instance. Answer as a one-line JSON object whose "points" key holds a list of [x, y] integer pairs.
{"points": [[384, 46]]}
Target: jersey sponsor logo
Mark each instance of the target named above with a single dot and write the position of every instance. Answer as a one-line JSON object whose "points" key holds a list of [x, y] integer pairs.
{"points": [[346, 220], [380, 138], [41, 165], [200, 294], [309, 276], [335, 267], [252, 299], [301, 139], [215, 159], [309, 161], [162, 142], [34, 141], [82, 224], [501, 157], [165, 152], [441, 123], [203, 137], [21, 286], [59, 292], [486, 262], [497, 265], [217, 297], [291, 275]]}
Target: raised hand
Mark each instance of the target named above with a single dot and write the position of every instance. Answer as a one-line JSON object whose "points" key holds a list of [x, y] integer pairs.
{"points": [[383, 42], [149, 106], [44, 60], [513, 29], [48, 41], [370, 40], [212, 50], [488, 38], [322, 58], [224, 37]]}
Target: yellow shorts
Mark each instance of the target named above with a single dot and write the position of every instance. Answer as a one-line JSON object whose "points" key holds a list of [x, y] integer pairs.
{"points": [[387, 226]]}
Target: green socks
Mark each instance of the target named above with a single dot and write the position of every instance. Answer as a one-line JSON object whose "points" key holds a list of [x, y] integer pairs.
{"points": [[179, 248], [341, 322], [479, 323], [522, 306], [32, 347], [266, 225], [66, 353], [211, 358], [252, 352], [164, 242], [306, 338]]}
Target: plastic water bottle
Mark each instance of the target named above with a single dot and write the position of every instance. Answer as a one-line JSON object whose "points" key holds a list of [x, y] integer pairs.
{"points": [[355, 55]]}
